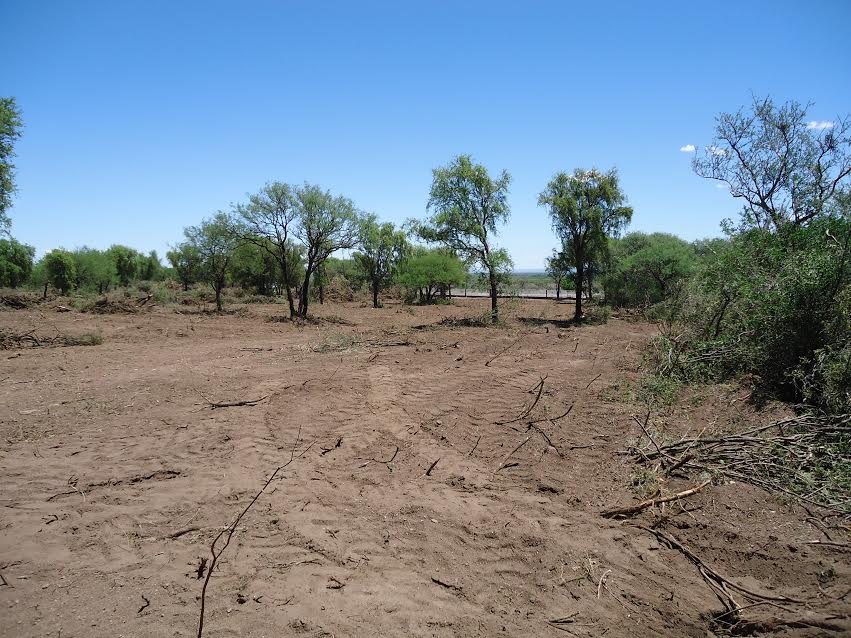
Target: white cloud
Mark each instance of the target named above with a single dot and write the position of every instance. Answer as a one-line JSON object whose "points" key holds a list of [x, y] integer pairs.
{"points": [[820, 125], [715, 150], [688, 148], [721, 186]]}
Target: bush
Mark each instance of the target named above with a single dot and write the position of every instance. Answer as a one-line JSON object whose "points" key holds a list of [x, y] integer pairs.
{"points": [[774, 305]]}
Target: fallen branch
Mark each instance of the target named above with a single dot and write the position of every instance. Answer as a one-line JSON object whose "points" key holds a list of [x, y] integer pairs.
{"points": [[338, 443], [539, 387], [502, 352], [236, 404], [145, 606], [510, 454], [431, 467], [228, 532], [651, 502], [437, 581]]}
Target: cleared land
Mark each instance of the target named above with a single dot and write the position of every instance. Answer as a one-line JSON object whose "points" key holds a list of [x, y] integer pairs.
{"points": [[424, 506]]}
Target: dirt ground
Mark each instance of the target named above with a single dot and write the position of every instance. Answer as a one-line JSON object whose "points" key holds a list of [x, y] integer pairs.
{"points": [[409, 509]]}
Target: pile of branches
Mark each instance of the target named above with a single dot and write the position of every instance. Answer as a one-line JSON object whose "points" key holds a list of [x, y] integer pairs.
{"points": [[18, 302], [10, 340], [107, 306], [807, 457]]}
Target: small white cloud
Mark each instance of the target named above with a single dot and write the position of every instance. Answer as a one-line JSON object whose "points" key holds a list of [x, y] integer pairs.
{"points": [[721, 186], [820, 125], [688, 148]]}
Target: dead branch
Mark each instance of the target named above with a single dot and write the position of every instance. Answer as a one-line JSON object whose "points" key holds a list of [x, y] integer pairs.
{"points": [[182, 532], [235, 404], [510, 454], [431, 467], [437, 581], [540, 431], [506, 349], [228, 532], [539, 387], [470, 453], [718, 582], [145, 606], [593, 380], [651, 502], [337, 444]]}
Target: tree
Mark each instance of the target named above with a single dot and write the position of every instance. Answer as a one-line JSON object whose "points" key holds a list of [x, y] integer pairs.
{"points": [[586, 209], [16, 262], [60, 269], [149, 266], [558, 269], [254, 267], [10, 131], [269, 218], [426, 272], [215, 241], [646, 269], [786, 170], [126, 263], [95, 269], [186, 261], [382, 249], [468, 204], [325, 224]]}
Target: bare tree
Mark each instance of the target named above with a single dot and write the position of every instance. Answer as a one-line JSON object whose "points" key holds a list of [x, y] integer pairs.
{"points": [[785, 168]]}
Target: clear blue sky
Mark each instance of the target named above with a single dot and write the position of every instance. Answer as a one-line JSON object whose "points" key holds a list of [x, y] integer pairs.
{"points": [[143, 117]]}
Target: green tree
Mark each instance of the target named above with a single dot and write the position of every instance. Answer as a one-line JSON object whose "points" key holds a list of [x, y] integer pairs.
{"points": [[10, 130], [559, 269], [254, 267], [126, 263], [468, 205], [786, 170], [382, 248], [646, 269], [149, 266], [426, 272], [216, 242], [60, 270], [16, 262], [95, 269], [326, 224], [185, 258], [586, 209], [268, 221]]}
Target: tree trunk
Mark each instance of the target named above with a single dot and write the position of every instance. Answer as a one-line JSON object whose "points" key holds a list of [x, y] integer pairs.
{"points": [[45, 291], [285, 274], [375, 293], [580, 284], [304, 295], [321, 293], [558, 290], [494, 309], [218, 288]]}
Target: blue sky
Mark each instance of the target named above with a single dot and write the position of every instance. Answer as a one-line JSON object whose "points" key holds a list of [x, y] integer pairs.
{"points": [[144, 117]]}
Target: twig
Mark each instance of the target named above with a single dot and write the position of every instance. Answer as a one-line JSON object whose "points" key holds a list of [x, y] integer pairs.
{"points": [[634, 509], [431, 467], [228, 532], [447, 585], [505, 460], [532, 426], [502, 352], [470, 453], [593, 380], [528, 410], [145, 606], [600, 584], [338, 443], [235, 404], [182, 532]]}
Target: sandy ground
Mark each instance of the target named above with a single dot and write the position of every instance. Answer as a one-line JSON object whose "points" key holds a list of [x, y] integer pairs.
{"points": [[117, 474]]}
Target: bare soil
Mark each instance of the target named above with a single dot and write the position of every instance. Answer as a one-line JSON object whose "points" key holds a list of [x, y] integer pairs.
{"points": [[413, 512]]}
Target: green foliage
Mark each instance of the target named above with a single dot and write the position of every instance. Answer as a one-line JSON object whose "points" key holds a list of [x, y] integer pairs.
{"points": [[427, 272], [382, 248], [253, 267], [559, 269], [126, 262], [149, 267], [468, 205], [325, 224], [185, 259], [773, 305], [215, 241], [10, 131], [95, 270], [60, 270], [16, 262], [646, 269], [586, 208]]}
